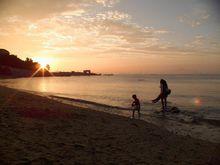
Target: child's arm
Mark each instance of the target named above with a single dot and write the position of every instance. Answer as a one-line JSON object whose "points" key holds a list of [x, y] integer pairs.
{"points": [[133, 104]]}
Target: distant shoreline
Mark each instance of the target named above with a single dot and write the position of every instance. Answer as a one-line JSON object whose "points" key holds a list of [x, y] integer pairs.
{"points": [[213, 75], [15, 77]]}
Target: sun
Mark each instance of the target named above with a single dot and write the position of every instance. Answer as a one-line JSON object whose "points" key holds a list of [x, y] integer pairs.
{"points": [[43, 62]]}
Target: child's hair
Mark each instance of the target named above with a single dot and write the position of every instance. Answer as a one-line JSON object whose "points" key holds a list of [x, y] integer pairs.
{"points": [[134, 96]]}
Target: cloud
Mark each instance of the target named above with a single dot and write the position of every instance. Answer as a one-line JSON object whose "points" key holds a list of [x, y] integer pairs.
{"points": [[113, 15], [43, 8], [81, 30], [197, 42], [78, 28], [196, 18], [203, 45], [107, 3], [34, 9]]}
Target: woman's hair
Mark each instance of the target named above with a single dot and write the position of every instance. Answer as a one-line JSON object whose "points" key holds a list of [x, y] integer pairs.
{"points": [[164, 83]]}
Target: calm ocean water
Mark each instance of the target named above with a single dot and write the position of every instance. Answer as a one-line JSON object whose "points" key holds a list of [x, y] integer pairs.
{"points": [[195, 93]]}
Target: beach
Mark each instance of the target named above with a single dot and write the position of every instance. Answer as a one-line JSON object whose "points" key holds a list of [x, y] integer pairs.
{"points": [[38, 130]]}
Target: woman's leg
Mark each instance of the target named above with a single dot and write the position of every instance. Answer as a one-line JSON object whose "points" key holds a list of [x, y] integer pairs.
{"points": [[162, 102], [139, 114], [157, 99], [165, 103]]}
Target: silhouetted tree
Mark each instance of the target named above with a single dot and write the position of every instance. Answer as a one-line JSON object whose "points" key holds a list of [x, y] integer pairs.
{"points": [[4, 52], [7, 61], [48, 67]]}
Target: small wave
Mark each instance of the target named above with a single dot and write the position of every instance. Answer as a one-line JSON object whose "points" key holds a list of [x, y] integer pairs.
{"points": [[89, 102], [141, 80], [181, 115]]}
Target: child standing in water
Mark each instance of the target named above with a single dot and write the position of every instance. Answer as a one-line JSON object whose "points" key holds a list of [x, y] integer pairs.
{"points": [[136, 106]]}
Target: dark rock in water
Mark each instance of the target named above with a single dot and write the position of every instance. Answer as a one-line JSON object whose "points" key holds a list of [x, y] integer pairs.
{"points": [[174, 110]]}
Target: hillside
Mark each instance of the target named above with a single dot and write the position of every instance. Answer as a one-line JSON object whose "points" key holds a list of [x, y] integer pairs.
{"points": [[12, 66]]}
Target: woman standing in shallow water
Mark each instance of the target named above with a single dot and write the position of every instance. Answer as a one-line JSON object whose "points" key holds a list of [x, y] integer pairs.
{"points": [[164, 92]]}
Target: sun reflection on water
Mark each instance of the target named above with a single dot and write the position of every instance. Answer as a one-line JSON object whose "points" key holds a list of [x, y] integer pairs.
{"points": [[197, 101]]}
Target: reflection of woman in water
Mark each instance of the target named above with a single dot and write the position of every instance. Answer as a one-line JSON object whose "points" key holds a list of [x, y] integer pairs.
{"points": [[165, 91]]}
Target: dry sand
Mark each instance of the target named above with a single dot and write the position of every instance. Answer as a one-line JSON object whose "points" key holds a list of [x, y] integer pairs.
{"points": [[37, 130]]}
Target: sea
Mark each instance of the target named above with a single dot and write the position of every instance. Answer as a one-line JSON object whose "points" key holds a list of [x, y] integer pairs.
{"points": [[197, 97]]}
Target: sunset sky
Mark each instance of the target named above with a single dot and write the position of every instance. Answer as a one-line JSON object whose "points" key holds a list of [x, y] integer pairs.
{"points": [[115, 36]]}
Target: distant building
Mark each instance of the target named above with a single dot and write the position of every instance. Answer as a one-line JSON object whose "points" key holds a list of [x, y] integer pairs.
{"points": [[87, 72]]}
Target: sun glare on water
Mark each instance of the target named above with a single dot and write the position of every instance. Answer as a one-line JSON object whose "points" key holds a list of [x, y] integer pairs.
{"points": [[197, 101]]}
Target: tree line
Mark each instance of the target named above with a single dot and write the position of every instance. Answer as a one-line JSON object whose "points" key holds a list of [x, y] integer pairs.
{"points": [[8, 61]]}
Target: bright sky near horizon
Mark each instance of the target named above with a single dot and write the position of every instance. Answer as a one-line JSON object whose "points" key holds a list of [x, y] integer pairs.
{"points": [[115, 36]]}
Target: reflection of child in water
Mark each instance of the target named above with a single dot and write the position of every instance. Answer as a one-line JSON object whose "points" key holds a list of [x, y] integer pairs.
{"points": [[136, 106]]}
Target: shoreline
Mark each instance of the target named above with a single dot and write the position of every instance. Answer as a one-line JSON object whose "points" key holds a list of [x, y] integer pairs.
{"points": [[86, 102], [36, 129]]}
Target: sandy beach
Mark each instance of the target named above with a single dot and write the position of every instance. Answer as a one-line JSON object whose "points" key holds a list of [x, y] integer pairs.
{"points": [[38, 130]]}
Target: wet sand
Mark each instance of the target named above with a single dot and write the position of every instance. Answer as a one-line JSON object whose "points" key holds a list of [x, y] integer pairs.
{"points": [[38, 130]]}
